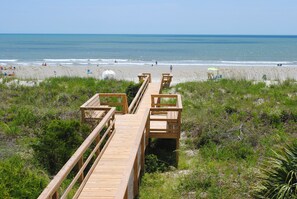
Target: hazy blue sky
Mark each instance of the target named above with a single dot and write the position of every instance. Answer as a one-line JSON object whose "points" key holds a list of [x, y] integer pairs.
{"points": [[149, 16]]}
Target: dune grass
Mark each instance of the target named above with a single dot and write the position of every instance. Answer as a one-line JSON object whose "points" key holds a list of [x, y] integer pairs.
{"points": [[230, 127], [40, 126]]}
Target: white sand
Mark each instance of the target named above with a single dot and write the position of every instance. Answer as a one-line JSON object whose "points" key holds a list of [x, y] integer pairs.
{"points": [[181, 73]]}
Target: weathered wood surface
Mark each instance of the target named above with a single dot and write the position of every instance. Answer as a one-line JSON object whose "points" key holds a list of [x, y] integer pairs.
{"points": [[116, 172], [111, 171]]}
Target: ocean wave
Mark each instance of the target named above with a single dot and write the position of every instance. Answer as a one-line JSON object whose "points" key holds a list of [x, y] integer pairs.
{"points": [[123, 62], [8, 60]]}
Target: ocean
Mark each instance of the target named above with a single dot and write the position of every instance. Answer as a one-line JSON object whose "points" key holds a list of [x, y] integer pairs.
{"points": [[89, 49]]}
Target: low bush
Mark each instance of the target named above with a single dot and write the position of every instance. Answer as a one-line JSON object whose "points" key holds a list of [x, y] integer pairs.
{"points": [[19, 180], [131, 91], [153, 164], [58, 142], [279, 175]]}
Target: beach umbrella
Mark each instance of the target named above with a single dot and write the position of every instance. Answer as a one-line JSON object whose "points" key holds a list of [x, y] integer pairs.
{"points": [[108, 74], [213, 69]]}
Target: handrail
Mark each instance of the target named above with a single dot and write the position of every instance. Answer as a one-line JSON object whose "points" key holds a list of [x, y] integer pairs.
{"points": [[142, 76], [165, 81], [166, 112], [123, 103], [167, 104], [91, 99], [136, 100], [52, 190], [140, 141]]}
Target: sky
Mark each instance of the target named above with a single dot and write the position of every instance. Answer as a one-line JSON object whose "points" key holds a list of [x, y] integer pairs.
{"points": [[257, 17]]}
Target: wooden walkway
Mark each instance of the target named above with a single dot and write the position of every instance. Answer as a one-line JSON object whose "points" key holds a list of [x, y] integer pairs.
{"points": [[109, 162], [108, 174]]}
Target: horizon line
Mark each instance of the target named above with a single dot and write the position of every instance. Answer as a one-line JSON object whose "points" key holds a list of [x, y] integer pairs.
{"points": [[186, 34]]}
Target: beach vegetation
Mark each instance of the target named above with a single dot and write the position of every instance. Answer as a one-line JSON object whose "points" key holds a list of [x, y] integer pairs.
{"points": [[40, 129], [229, 129], [131, 91], [20, 179], [57, 142], [278, 177]]}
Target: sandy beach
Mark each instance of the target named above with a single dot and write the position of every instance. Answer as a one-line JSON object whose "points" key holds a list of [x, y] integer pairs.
{"points": [[181, 73]]}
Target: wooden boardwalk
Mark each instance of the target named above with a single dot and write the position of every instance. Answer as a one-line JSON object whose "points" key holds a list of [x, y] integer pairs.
{"points": [[107, 176], [109, 162]]}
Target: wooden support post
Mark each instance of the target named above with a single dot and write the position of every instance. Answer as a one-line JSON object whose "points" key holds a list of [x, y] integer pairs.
{"points": [[55, 195], [125, 104], [147, 128], [108, 125], [135, 181], [177, 151], [152, 101], [80, 164], [97, 141], [142, 155], [82, 111], [126, 193]]}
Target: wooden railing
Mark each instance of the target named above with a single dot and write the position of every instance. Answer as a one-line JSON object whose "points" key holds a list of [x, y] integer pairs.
{"points": [[83, 161], [165, 81], [129, 185], [145, 78], [166, 109], [117, 100], [142, 76]]}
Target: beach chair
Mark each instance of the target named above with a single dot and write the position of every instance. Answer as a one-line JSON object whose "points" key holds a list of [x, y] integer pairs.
{"points": [[210, 76]]}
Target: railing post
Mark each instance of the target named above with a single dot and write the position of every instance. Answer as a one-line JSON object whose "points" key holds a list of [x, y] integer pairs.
{"points": [[147, 128], [80, 164], [125, 104], [97, 141], [135, 183], [55, 195], [142, 145], [126, 193], [152, 101], [177, 151], [113, 125], [82, 115]]}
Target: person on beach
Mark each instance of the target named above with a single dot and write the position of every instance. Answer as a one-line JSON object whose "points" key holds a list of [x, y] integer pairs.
{"points": [[156, 63], [171, 68]]}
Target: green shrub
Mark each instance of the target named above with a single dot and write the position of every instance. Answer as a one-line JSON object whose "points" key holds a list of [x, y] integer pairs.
{"points": [[194, 181], [25, 116], [18, 180], [153, 164], [279, 175], [132, 90], [58, 142]]}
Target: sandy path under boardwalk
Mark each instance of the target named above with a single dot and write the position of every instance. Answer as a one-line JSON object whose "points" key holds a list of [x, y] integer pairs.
{"points": [[181, 73]]}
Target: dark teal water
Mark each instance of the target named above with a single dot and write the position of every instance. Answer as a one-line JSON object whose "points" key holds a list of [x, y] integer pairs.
{"points": [[179, 49]]}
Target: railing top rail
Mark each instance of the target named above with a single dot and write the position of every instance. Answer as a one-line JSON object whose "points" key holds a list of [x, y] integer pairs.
{"points": [[103, 108], [141, 90], [178, 101], [111, 94], [165, 95], [91, 99], [53, 186], [165, 109], [125, 180]]}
